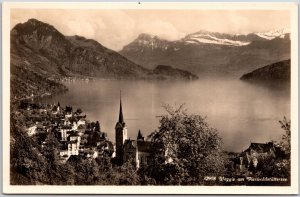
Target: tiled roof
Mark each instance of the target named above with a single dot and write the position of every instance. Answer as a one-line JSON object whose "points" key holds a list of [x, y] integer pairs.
{"points": [[261, 147]]}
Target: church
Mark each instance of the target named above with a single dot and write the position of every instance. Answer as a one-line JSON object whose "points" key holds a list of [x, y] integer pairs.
{"points": [[139, 150]]}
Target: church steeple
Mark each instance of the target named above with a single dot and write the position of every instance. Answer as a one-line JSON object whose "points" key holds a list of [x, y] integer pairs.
{"points": [[140, 136], [121, 135], [121, 119]]}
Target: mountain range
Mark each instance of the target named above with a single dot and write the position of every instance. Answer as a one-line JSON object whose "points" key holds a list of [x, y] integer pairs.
{"points": [[41, 56], [211, 53]]}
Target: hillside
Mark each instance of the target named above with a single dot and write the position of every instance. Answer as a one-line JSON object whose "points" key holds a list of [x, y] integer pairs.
{"points": [[44, 56], [168, 73], [211, 53], [27, 82], [49, 51], [279, 72]]}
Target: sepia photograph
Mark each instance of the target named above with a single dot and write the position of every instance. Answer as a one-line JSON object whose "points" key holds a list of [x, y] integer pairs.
{"points": [[150, 98]]}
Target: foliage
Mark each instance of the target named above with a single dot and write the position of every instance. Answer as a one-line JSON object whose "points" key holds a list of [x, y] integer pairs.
{"points": [[27, 164], [35, 163], [270, 166], [277, 164], [79, 111], [192, 149], [126, 174], [97, 126], [286, 138], [184, 150]]}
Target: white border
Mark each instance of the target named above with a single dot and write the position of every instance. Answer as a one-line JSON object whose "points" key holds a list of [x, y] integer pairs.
{"points": [[10, 189]]}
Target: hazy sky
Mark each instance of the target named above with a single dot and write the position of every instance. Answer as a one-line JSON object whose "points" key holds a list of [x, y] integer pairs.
{"points": [[116, 28]]}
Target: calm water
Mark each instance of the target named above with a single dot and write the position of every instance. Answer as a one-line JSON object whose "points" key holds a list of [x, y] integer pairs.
{"points": [[242, 112]]}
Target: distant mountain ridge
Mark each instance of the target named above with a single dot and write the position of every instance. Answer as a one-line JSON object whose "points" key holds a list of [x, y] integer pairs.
{"points": [[40, 51], [211, 53], [207, 37]]}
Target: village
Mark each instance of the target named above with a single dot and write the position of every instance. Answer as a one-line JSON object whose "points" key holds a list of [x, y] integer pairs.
{"points": [[77, 136]]}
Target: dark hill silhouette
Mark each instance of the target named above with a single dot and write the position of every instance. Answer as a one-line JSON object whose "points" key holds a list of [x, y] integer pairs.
{"points": [[275, 74]]}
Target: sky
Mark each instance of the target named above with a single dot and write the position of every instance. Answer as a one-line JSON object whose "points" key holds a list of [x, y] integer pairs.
{"points": [[117, 28]]}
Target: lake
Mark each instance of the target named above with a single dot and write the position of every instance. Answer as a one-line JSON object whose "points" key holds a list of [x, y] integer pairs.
{"points": [[241, 112]]}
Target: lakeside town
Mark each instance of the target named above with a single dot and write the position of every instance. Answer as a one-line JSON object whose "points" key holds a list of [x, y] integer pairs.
{"points": [[78, 138]]}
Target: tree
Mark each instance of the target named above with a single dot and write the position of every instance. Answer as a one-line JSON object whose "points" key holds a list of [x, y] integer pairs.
{"points": [[28, 166], [79, 111], [277, 165], [192, 148], [87, 170], [50, 149], [125, 174], [97, 126], [286, 138]]}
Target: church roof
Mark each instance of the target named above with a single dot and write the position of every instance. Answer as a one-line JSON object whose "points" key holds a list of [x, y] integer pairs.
{"points": [[120, 123]]}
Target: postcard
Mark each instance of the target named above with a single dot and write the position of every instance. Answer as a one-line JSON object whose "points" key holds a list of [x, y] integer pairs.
{"points": [[150, 98]]}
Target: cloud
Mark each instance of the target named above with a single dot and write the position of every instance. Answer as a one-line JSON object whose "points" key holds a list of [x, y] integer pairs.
{"points": [[116, 28], [162, 29], [82, 29], [120, 29]]}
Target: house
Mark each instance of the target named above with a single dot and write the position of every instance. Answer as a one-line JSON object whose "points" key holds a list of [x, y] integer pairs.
{"points": [[130, 152], [76, 135], [251, 157], [144, 151], [81, 129], [67, 122], [76, 124], [73, 144], [64, 132]]}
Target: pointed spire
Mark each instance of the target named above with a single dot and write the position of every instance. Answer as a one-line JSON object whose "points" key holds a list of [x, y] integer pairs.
{"points": [[121, 119], [140, 136]]}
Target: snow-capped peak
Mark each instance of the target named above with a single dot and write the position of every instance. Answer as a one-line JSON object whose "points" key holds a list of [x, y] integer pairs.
{"points": [[232, 39], [274, 33], [214, 38], [150, 41]]}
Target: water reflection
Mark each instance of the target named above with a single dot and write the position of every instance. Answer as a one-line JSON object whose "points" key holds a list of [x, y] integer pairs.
{"points": [[242, 112]]}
